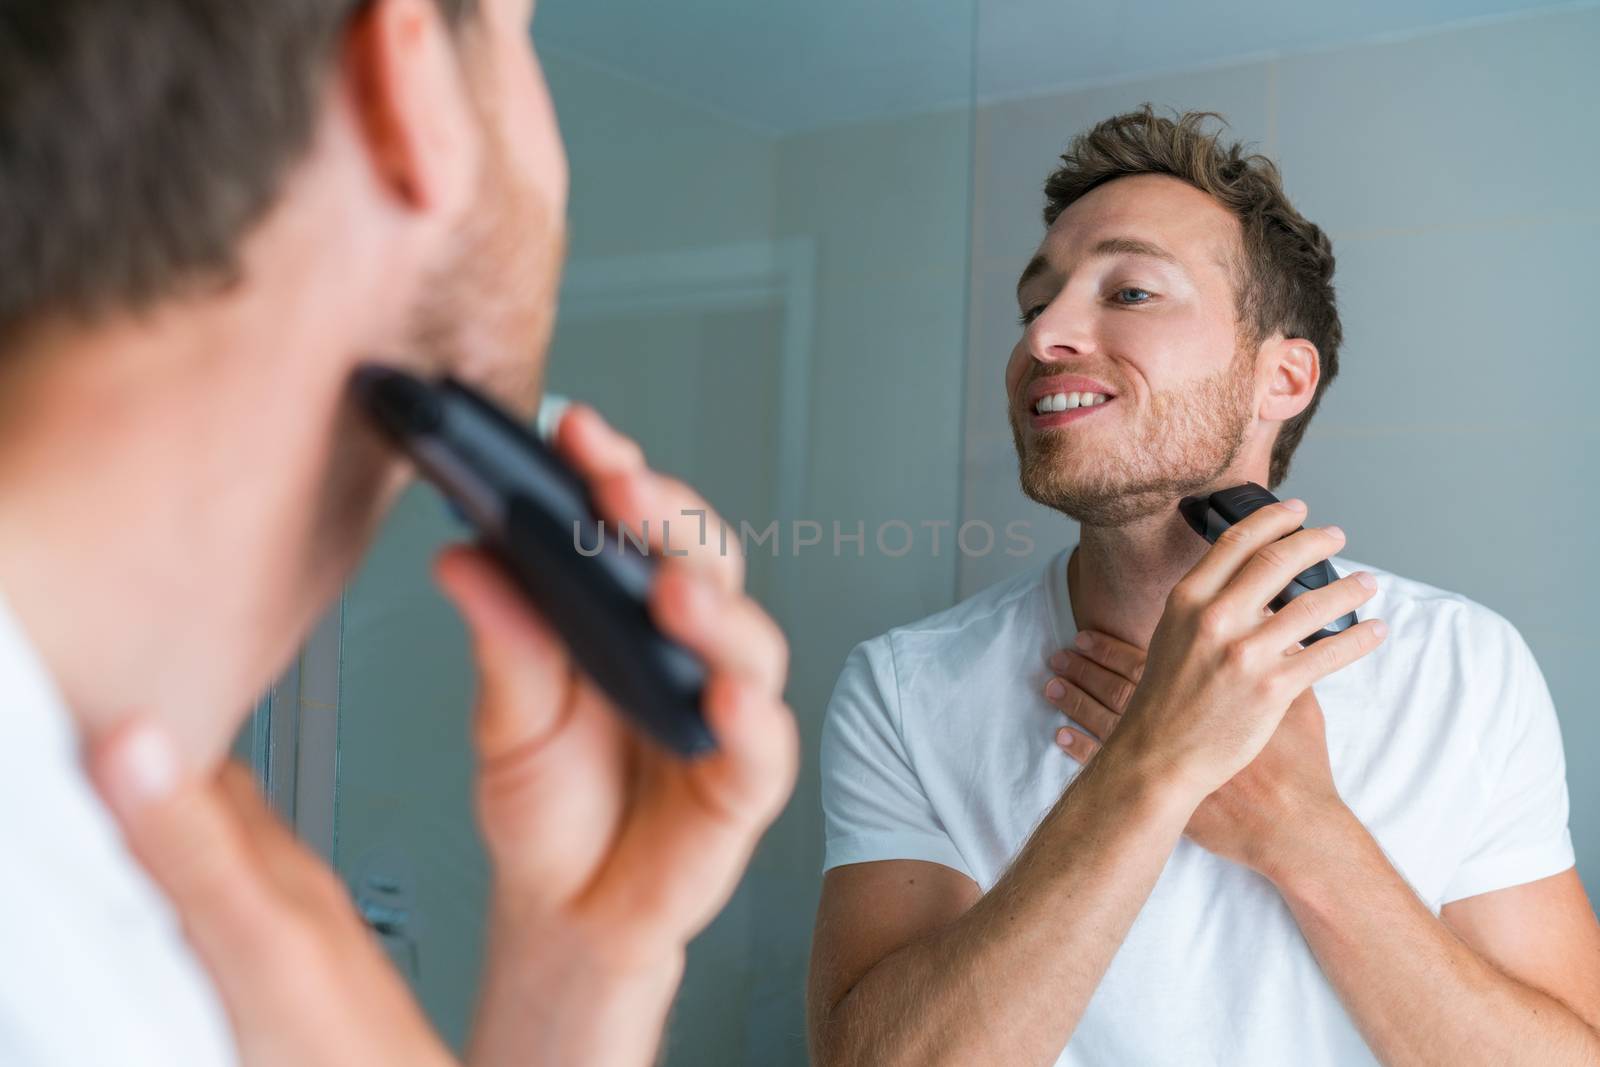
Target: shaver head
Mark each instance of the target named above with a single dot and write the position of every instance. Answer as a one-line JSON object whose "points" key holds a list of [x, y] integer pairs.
{"points": [[1230, 505], [1211, 515], [401, 404], [1194, 512]]}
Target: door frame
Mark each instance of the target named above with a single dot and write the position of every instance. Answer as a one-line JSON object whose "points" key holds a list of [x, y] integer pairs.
{"points": [[754, 274]]}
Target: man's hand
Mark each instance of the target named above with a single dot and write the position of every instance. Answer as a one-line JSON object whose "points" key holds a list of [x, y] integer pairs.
{"points": [[1218, 681], [590, 826], [608, 853], [1259, 817], [303, 981]]}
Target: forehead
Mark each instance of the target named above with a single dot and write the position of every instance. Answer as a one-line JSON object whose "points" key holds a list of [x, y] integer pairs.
{"points": [[1154, 208]]}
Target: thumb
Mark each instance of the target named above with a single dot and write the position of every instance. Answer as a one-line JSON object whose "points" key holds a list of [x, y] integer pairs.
{"points": [[523, 666], [190, 838]]}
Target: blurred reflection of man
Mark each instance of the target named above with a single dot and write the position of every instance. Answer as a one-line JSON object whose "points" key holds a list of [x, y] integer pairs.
{"points": [[1212, 862]]}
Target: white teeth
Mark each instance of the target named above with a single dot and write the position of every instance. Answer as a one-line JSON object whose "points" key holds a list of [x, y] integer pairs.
{"points": [[1067, 401]]}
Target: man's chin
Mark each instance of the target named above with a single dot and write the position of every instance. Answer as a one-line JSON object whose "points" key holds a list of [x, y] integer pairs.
{"points": [[1082, 492]]}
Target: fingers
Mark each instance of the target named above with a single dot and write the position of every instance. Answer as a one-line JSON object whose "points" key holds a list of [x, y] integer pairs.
{"points": [[1237, 545], [674, 520], [552, 757], [1077, 744], [191, 836], [696, 832], [729, 631], [1273, 566], [1112, 653], [753, 771], [1310, 612], [593, 448], [1108, 687], [1321, 659], [1093, 694], [1080, 694], [302, 980], [1081, 707], [524, 669]]}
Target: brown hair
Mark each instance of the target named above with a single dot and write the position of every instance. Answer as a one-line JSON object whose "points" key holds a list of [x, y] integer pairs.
{"points": [[1285, 280], [140, 141]]}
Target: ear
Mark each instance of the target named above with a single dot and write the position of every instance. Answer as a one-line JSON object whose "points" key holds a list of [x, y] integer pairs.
{"points": [[406, 83], [1293, 369]]}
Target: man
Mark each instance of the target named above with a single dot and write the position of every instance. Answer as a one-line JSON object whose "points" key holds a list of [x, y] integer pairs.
{"points": [[215, 212], [1236, 852]]}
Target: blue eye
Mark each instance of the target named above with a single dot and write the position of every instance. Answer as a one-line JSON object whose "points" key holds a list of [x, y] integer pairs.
{"points": [[1139, 296]]}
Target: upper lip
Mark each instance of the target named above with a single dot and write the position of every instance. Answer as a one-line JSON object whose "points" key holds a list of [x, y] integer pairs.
{"points": [[1065, 383]]}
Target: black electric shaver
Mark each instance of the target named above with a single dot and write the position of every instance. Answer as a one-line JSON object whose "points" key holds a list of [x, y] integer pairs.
{"points": [[532, 513], [1209, 516]]}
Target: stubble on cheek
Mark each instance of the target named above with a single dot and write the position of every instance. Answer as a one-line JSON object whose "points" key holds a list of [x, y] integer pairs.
{"points": [[1112, 475]]}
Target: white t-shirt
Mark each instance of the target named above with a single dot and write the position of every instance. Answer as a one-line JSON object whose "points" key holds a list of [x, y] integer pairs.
{"points": [[93, 965], [939, 746]]}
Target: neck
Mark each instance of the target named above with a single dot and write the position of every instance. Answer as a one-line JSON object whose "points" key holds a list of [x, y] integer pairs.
{"points": [[1118, 578], [183, 491], [161, 484]]}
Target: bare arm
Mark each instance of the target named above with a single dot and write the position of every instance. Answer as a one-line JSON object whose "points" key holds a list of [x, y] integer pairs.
{"points": [[910, 965], [1507, 977]]}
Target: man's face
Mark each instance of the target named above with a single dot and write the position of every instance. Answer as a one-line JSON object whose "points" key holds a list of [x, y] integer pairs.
{"points": [[488, 309], [1133, 288]]}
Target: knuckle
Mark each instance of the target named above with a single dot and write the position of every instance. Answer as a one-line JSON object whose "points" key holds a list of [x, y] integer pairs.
{"points": [[1274, 687], [1311, 608], [1237, 535], [1182, 598], [1121, 695], [1239, 657], [1273, 555], [1212, 620]]}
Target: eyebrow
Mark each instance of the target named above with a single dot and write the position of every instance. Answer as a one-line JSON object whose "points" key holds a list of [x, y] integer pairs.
{"points": [[1036, 266], [1111, 246], [1132, 246]]}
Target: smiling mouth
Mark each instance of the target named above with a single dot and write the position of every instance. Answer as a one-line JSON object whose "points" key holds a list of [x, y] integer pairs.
{"points": [[1055, 402], [1058, 410]]}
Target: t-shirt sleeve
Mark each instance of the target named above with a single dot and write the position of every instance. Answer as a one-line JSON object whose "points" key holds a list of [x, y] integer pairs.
{"points": [[1523, 835], [873, 805]]}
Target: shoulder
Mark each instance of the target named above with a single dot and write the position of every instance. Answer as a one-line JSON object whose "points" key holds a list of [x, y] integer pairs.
{"points": [[1434, 619], [952, 639], [1451, 659], [924, 665]]}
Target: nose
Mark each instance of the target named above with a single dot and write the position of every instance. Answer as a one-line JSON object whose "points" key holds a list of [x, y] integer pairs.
{"points": [[1061, 332]]}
